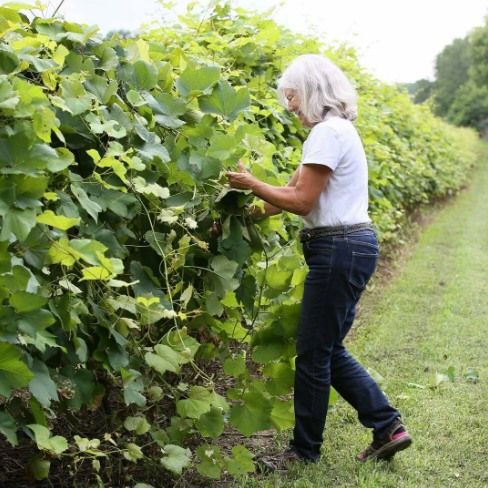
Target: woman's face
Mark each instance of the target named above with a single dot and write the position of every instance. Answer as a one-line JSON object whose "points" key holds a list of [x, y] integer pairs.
{"points": [[294, 105]]}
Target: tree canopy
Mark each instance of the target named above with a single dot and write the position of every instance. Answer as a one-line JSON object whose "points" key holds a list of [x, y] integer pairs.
{"points": [[459, 92]]}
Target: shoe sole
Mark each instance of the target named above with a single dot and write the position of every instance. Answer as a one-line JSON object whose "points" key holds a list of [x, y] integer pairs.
{"points": [[267, 466], [387, 452], [390, 449]]}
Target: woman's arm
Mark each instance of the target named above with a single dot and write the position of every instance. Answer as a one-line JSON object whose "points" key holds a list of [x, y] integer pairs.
{"points": [[298, 199], [268, 210]]}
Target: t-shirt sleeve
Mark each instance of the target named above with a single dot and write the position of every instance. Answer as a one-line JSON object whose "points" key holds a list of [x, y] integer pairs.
{"points": [[322, 147]]}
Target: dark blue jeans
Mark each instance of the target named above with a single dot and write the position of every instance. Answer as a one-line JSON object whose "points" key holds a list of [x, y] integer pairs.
{"points": [[339, 268]]}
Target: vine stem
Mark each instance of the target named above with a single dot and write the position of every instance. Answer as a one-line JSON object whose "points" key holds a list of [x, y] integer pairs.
{"points": [[58, 7], [261, 291], [163, 255], [168, 287]]}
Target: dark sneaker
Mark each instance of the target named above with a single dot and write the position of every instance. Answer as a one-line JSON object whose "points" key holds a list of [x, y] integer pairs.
{"points": [[280, 462], [385, 447]]}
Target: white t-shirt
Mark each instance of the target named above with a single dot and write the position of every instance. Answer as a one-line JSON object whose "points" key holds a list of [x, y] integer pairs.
{"points": [[335, 143]]}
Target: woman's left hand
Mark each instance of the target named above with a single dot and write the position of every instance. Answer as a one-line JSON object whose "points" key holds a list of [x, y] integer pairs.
{"points": [[241, 179]]}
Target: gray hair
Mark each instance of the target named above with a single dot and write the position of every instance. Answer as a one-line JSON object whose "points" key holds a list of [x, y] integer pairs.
{"points": [[322, 87]]}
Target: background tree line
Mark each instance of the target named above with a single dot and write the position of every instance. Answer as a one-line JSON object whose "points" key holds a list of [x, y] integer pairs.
{"points": [[459, 92]]}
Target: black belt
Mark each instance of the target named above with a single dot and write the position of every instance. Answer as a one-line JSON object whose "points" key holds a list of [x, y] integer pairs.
{"points": [[334, 230]]}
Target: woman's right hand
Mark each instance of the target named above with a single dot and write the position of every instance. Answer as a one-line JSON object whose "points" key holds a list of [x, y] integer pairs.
{"points": [[241, 179]]}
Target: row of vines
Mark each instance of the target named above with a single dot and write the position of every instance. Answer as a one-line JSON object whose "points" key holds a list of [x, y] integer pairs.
{"points": [[115, 294]]}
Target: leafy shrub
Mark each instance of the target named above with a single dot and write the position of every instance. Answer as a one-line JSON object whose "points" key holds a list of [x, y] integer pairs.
{"points": [[112, 286]]}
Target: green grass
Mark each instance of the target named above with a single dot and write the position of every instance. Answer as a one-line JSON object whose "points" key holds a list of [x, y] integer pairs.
{"points": [[433, 315]]}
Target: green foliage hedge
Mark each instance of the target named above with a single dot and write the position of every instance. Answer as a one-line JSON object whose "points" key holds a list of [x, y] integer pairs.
{"points": [[114, 292]]}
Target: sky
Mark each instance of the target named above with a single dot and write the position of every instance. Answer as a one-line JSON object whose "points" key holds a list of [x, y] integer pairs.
{"points": [[397, 40]]}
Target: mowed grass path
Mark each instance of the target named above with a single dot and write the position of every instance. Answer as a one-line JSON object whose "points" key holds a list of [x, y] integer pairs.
{"points": [[431, 319]]}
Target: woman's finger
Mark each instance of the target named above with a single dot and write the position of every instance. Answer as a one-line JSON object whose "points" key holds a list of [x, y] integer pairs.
{"points": [[241, 166]]}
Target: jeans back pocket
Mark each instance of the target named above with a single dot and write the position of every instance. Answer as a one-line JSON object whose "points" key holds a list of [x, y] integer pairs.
{"points": [[362, 268]]}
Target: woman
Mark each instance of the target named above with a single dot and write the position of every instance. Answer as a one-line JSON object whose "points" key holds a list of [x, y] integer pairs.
{"points": [[330, 191]]}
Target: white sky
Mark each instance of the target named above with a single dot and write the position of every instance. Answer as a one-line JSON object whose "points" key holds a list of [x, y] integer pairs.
{"points": [[397, 40]]}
